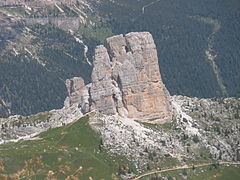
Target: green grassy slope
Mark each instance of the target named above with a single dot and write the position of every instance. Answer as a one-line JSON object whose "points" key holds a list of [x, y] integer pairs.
{"points": [[76, 151], [223, 172], [72, 151]]}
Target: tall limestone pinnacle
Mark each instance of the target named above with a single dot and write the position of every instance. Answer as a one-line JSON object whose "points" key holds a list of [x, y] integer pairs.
{"points": [[125, 80]]}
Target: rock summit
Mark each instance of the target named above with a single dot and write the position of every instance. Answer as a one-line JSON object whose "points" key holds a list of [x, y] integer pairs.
{"points": [[126, 81]]}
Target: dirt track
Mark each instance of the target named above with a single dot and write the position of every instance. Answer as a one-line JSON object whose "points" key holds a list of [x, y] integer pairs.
{"points": [[182, 167]]}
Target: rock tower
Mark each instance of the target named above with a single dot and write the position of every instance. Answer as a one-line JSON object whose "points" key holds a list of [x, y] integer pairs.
{"points": [[125, 80]]}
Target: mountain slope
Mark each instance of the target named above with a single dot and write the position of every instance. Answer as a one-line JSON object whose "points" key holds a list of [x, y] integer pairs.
{"points": [[40, 49], [197, 41], [71, 151], [111, 147]]}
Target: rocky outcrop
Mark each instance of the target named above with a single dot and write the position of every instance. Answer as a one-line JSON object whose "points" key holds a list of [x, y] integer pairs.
{"points": [[125, 80], [78, 94]]}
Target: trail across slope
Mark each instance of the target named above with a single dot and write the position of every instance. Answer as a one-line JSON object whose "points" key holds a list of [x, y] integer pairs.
{"points": [[181, 167]]}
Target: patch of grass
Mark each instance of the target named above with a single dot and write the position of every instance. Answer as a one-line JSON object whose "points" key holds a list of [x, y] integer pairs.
{"points": [[214, 22], [96, 29], [71, 151], [169, 162], [222, 172], [32, 120], [40, 117], [166, 126]]}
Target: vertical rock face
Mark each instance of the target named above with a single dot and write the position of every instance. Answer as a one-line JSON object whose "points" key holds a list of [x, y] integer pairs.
{"points": [[102, 88], [78, 94], [126, 80]]}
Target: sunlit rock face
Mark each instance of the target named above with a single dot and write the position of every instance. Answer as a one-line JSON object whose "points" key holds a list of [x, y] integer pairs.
{"points": [[126, 80]]}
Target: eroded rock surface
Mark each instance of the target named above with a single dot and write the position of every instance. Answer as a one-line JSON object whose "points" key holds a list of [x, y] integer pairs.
{"points": [[78, 94], [125, 80]]}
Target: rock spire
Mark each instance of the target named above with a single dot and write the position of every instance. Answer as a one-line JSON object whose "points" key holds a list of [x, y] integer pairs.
{"points": [[125, 80]]}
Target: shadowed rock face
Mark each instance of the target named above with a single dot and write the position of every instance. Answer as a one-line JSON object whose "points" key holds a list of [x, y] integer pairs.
{"points": [[126, 80]]}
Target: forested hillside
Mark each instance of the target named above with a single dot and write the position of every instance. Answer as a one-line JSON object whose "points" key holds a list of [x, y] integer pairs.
{"points": [[198, 41], [41, 45], [40, 49], [33, 79]]}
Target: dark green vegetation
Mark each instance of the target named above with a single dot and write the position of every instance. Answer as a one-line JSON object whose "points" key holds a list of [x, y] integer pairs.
{"points": [[212, 172], [182, 41], [72, 151], [183, 32], [35, 60], [28, 87], [166, 126]]}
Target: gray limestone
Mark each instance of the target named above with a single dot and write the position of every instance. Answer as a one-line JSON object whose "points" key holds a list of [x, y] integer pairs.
{"points": [[125, 80]]}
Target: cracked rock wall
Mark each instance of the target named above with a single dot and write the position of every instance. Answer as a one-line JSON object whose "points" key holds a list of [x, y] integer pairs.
{"points": [[126, 80]]}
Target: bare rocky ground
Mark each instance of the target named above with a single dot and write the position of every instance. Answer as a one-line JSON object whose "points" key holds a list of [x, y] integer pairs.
{"points": [[66, 15], [63, 14], [201, 130]]}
